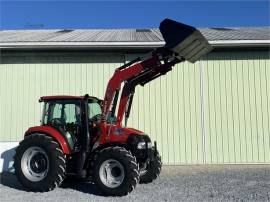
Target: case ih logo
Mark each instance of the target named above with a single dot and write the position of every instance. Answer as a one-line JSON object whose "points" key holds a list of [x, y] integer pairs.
{"points": [[118, 131]]}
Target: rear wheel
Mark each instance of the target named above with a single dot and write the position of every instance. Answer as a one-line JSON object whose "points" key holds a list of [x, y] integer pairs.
{"points": [[115, 171], [151, 170], [39, 163]]}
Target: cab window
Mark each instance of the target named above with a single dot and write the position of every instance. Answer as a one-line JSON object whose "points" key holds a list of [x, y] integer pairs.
{"points": [[94, 108], [61, 112]]}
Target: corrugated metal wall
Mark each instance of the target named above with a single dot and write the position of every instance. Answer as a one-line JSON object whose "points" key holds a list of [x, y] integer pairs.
{"points": [[23, 83], [236, 108], [216, 111]]}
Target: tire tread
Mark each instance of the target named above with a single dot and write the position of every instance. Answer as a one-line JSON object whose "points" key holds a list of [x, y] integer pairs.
{"points": [[51, 181], [153, 171], [132, 177]]}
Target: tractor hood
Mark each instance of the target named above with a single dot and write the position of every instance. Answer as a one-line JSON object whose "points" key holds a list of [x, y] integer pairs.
{"points": [[123, 131], [184, 40]]}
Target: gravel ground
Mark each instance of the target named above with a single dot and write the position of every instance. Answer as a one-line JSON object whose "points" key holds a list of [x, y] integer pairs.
{"points": [[176, 183]]}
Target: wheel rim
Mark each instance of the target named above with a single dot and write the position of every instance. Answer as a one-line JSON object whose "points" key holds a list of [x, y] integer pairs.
{"points": [[35, 164], [111, 173]]}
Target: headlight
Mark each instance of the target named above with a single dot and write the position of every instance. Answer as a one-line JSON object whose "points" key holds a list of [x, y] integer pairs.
{"points": [[142, 145]]}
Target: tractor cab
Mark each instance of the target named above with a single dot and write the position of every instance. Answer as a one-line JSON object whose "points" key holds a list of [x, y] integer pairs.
{"points": [[67, 115]]}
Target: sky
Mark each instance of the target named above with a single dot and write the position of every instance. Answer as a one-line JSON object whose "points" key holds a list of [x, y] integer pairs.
{"points": [[50, 14]]}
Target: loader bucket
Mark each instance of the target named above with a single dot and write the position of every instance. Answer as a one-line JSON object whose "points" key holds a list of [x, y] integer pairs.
{"points": [[185, 40]]}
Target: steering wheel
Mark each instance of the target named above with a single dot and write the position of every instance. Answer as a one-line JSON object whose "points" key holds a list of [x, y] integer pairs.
{"points": [[57, 122], [95, 118]]}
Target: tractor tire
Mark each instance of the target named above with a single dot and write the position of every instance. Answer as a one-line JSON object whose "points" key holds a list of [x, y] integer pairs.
{"points": [[40, 164], [152, 170], [115, 171]]}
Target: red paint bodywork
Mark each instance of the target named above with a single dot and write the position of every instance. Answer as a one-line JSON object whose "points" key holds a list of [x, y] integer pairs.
{"points": [[118, 134], [51, 132], [114, 84]]}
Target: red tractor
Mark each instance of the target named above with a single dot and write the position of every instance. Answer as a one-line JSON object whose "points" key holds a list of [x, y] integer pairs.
{"points": [[82, 136]]}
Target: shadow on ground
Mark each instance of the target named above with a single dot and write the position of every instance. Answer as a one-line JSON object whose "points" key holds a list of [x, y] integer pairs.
{"points": [[84, 186], [10, 180]]}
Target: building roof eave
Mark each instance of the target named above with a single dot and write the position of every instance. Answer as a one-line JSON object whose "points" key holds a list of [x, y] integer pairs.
{"points": [[240, 43], [125, 45]]}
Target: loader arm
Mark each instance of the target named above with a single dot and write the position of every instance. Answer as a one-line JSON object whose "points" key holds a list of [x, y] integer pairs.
{"points": [[122, 74], [182, 42], [141, 79]]}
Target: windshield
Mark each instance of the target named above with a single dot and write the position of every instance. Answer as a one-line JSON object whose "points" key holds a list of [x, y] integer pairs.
{"points": [[94, 108]]}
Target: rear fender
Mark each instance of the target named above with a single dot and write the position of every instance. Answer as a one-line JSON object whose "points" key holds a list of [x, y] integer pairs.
{"points": [[50, 131]]}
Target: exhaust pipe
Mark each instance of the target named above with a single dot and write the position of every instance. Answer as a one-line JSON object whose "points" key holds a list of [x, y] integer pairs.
{"points": [[186, 41]]}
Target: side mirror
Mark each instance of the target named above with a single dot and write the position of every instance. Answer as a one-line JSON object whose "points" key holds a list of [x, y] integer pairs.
{"points": [[184, 40]]}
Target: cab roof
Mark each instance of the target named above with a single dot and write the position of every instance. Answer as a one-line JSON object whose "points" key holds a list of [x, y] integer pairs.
{"points": [[65, 97]]}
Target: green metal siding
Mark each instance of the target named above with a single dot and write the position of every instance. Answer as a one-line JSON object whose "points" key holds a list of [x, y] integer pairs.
{"points": [[22, 84], [215, 111], [236, 104]]}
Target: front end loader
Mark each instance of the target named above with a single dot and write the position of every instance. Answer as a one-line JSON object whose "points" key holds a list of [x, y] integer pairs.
{"points": [[85, 136]]}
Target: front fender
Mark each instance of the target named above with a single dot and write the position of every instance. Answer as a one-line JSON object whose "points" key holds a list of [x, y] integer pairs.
{"points": [[50, 131]]}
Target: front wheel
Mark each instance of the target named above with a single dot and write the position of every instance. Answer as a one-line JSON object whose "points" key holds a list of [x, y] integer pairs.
{"points": [[115, 171], [39, 163], [151, 170]]}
